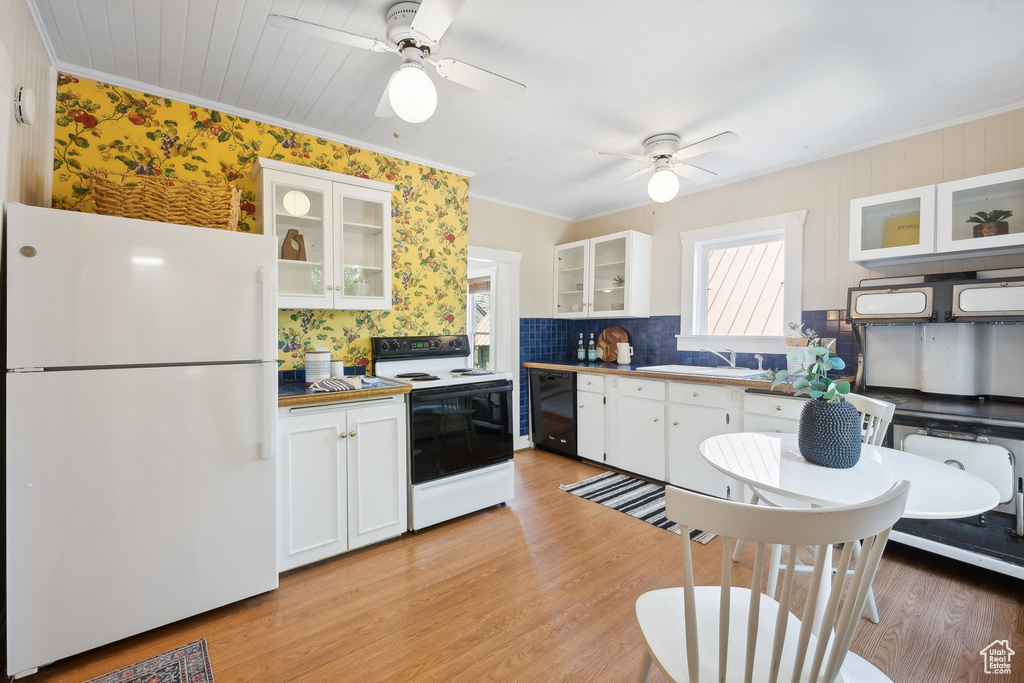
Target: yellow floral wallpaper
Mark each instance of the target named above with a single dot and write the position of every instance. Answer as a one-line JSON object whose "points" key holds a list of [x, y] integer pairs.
{"points": [[103, 126]]}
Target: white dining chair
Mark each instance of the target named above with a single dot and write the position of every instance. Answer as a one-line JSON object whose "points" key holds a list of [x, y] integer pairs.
{"points": [[875, 416], [735, 632]]}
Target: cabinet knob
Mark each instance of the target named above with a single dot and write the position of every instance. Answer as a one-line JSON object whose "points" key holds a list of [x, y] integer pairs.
{"points": [[581, 406], [695, 394], [778, 407], [342, 435], [589, 382], [352, 433], [330, 286], [639, 388], [655, 419], [675, 423], [778, 431]]}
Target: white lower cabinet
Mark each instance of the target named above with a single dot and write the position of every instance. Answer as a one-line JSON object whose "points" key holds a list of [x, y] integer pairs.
{"points": [[590, 416], [640, 433], [697, 412], [341, 478], [764, 413]]}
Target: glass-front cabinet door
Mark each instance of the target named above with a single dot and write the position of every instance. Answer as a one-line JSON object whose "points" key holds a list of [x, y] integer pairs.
{"points": [[985, 212], [608, 288], [894, 225], [572, 279], [303, 223], [364, 248]]}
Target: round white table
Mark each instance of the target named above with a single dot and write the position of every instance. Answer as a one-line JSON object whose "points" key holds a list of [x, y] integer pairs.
{"points": [[771, 463]]}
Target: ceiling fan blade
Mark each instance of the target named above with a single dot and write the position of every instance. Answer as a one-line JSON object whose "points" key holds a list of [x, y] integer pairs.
{"points": [[625, 155], [704, 146], [642, 171], [692, 172], [478, 79], [384, 109], [319, 31], [433, 18]]}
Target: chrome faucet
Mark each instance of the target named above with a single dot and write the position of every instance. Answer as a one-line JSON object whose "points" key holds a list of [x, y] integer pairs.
{"points": [[760, 359], [731, 360]]}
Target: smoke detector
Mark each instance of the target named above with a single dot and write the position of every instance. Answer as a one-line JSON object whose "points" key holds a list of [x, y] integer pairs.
{"points": [[24, 105]]}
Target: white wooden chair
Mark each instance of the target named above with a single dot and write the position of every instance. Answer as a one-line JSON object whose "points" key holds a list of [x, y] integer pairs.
{"points": [[875, 416], [724, 633]]}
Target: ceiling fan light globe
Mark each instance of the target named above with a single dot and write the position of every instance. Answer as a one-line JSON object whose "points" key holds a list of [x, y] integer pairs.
{"points": [[412, 94], [663, 186]]}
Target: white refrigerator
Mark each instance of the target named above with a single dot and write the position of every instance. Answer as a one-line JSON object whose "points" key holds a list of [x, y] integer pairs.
{"points": [[141, 395]]}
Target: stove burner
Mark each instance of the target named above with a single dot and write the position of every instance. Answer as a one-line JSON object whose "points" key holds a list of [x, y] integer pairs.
{"points": [[420, 377], [473, 372], [459, 371], [413, 375]]}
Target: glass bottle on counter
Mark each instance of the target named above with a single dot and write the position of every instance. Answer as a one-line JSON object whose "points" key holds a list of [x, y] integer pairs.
{"points": [[581, 352], [591, 349]]}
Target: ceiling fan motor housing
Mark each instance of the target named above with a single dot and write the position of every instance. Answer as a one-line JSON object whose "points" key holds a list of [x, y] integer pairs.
{"points": [[399, 32], [661, 145]]}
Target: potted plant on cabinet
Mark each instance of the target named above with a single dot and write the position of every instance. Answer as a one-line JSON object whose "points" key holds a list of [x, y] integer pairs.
{"points": [[829, 432], [988, 223]]}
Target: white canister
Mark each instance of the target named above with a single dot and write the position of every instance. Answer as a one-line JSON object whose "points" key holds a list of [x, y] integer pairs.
{"points": [[337, 368], [318, 365], [624, 352]]}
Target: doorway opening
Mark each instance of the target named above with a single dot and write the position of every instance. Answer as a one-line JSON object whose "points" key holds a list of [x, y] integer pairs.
{"points": [[478, 318]]}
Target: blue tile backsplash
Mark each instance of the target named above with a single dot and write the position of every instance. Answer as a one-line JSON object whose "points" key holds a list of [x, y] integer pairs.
{"points": [[654, 343]]}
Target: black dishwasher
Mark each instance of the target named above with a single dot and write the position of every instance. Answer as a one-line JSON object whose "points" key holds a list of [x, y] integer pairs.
{"points": [[553, 410]]}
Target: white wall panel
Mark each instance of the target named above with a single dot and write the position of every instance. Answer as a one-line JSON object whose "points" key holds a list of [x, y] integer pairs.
{"points": [[30, 153]]}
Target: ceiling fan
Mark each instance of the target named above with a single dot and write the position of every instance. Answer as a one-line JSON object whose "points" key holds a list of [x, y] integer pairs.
{"points": [[414, 31], [669, 160]]}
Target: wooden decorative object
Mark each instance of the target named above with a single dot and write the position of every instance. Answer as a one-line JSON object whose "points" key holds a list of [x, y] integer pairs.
{"points": [[167, 200], [294, 247], [607, 349]]}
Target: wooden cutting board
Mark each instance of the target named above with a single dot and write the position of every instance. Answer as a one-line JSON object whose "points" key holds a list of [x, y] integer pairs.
{"points": [[606, 343]]}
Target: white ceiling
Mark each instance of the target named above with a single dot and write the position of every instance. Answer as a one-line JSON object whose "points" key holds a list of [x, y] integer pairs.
{"points": [[795, 79]]}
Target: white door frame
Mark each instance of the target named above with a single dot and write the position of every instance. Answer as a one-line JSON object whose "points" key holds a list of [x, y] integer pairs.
{"points": [[504, 320]]}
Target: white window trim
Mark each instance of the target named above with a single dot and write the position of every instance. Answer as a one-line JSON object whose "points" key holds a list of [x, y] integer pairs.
{"points": [[792, 224]]}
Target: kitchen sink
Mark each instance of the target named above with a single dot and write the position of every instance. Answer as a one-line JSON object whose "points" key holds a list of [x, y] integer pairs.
{"points": [[725, 372]]}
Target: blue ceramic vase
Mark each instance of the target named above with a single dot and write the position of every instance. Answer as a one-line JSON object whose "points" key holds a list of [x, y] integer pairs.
{"points": [[829, 433]]}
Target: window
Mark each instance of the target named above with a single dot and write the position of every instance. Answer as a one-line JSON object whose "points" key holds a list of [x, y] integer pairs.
{"points": [[741, 283]]}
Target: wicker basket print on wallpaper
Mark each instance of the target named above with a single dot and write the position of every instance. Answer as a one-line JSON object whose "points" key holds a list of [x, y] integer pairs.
{"points": [[166, 200]]}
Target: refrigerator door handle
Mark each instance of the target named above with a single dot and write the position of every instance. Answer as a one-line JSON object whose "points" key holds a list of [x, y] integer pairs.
{"points": [[267, 415], [268, 404]]}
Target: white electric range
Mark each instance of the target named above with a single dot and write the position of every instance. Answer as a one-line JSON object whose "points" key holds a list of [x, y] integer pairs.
{"points": [[460, 426]]}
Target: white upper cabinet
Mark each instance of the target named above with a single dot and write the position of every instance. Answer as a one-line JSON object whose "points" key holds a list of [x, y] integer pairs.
{"points": [[960, 200], [893, 225], [931, 223], [604, 277], [333, 235]]}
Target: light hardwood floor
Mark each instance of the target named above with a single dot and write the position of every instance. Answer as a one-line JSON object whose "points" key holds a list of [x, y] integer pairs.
{"points": [[541, 590]]}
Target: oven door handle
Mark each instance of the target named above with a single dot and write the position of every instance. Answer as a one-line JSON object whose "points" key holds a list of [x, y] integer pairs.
{"points": [[959, 436], [421, 395]]}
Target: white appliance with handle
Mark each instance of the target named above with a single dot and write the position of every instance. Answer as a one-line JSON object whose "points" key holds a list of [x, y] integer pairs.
{"points": [[141, 397]]}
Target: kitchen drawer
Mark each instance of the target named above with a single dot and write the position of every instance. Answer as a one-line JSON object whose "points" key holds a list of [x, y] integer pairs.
{"points": [[785, 407], [642, 388], [590, 383], [698, 394]]}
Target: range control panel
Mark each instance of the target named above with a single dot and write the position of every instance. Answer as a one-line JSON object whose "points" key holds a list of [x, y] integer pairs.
{"points": [[396, 348]]}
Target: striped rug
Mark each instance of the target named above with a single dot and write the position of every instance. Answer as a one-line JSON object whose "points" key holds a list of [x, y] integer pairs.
{"points": [[635, 497]]}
